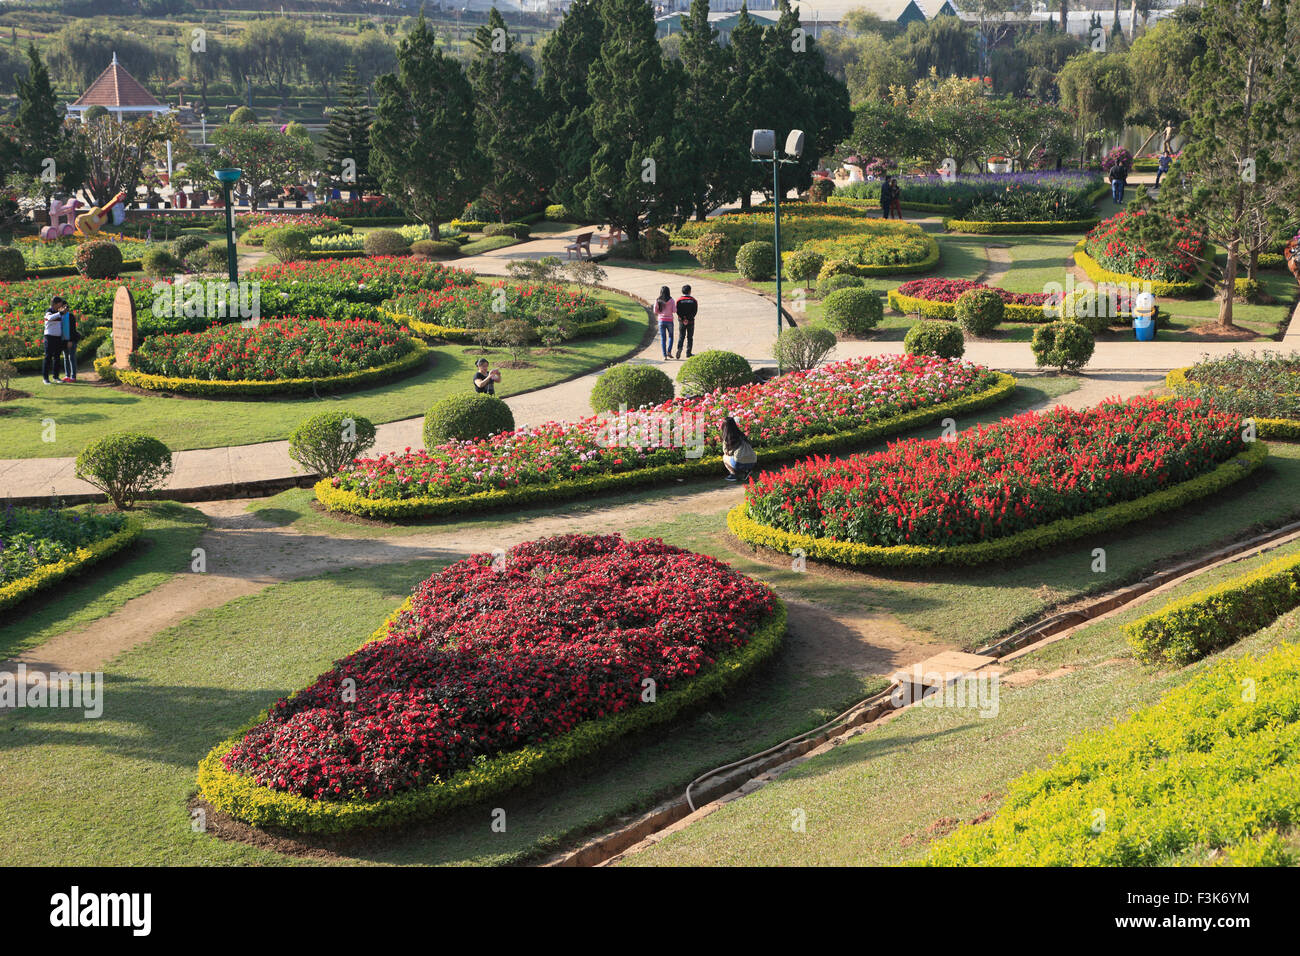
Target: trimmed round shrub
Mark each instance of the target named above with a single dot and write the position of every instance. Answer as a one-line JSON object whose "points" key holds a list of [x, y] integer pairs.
{"points": [[1088, 309], [516, 230], [943, 339], [804, 266], [803, 347], [159, 262], [385, 242], [466, 418], [244, 116], [556, 213], [655, 245], [712, 370], [99, 259], [853, 311], [630, 385], [1064, 345], [211, 258], [298, 130], [12, 264], [715, 250], [1247, 290], [326, 443], [837, 267], [435, 248], [287, 244], [821, 190], [185, 246], [842, 280], [978, 311], [755, 261], [124, 466]]}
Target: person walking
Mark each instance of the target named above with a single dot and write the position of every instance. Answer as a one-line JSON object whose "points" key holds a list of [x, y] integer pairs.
{"points": [[885, 196], [1162, 166], [687, 308], [70, 339], [896, 197], [53, 341], [738, 454], [1118, 180], [664, 308]]}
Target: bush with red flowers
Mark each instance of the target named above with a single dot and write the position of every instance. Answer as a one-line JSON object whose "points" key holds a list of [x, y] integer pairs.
{"points": [[1148, 245], [949, 290], [996, 480], [494, 655]]}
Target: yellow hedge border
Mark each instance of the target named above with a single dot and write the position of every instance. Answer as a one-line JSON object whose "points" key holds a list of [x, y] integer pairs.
{"points": [[1043, 227], [455, 334], [409, 362], [934, 309], [1108, 518], [82, 558], [1287, 429], [397, 509], [241, 797], [1097, 273]]}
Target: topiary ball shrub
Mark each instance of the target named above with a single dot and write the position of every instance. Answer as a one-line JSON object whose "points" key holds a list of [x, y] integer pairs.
{"points": [[385, 242], [466, 418], [244, 116], [803, 347], [943, 339], [630, 385], [712, 370], [804, 266], [837, 267], [978, 311], [326, 443], [655, 245], [287, 244], [186, 246], [515, 230], [556, 213], [853, 311], [1247, 290], [715, 250], [124, 466], [98, 260], [435, 248], [1093, 312], [1064, 345], [838, 281], [755, 261], [12, 264], [159, 262]]}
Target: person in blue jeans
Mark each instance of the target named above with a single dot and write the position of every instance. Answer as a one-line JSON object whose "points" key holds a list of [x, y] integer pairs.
{"points": [[70, 339], [1118, 180], [53, 341], [664, 309], [1162, 166]]}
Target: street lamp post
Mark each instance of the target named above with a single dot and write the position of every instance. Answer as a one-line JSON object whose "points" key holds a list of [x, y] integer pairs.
{"points": [[762, 145], [228, 178]]}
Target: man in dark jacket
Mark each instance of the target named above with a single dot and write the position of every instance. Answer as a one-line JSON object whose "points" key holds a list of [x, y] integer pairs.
{"points": [[687, 307]]}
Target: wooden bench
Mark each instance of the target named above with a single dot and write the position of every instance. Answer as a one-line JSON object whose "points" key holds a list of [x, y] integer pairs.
{"points": [[607, 239], [581, 245]]}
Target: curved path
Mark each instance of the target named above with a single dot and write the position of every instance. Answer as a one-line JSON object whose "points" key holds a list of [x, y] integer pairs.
{"points": [[731, 317]]}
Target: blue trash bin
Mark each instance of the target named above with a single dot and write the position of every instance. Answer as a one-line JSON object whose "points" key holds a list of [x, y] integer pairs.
{"points": [[1144, 327]]}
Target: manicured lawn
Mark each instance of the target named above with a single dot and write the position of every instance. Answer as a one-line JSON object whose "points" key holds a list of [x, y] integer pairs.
{"points": [[162, 550], [84, 412]]}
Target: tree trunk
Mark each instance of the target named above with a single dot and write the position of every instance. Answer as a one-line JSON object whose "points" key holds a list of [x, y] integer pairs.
{"points": [[1133, 20], [1229, 286], [432, 226], [1065, 16], [1252, 264]]}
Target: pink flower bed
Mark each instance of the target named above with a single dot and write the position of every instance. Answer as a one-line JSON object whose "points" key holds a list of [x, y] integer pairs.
{"points": [[948, 290]]}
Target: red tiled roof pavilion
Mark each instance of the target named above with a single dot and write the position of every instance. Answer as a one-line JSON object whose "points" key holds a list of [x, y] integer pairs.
{"points": [[118, 92]]}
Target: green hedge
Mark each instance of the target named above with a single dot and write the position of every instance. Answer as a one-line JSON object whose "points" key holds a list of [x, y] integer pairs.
{"points": [[212, 388], [79, 560], [1097, 273], [240, 797], [1285, 429], [379, 221], [1188, 629], [390, 509], [85, 348], [54, 272], [854, 554], [454, 334], [927, 264], [1017, 228], [934, 309]]}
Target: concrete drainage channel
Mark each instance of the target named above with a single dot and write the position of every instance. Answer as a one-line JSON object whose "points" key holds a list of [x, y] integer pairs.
{"points": [[720, 786]]}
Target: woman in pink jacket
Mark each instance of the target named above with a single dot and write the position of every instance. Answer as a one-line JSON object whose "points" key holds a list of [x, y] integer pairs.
{"points": [[665, 308]]}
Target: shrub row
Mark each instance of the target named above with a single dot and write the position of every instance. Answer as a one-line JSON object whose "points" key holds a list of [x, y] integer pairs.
{"points": [[1067, 529], [82, 558], [350, 502], [1096, 273], [241, 797], [934, 309], [1018, 228], [453, 334]]}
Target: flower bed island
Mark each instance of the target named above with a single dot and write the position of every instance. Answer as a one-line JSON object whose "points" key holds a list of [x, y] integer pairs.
{"points": [[937, 299], [835, 406], [1264, 388], [39, 548], [1167, 252], [494, 671]]}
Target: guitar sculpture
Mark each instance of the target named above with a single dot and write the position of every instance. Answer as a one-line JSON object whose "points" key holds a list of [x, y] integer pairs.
{"points": [[90, 222]]}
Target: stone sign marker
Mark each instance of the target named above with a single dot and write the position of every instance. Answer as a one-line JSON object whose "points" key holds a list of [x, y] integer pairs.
{"points": [[124, 331]]}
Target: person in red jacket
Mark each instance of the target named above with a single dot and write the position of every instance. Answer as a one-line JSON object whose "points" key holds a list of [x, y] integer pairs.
{"points": [[687, 308]]}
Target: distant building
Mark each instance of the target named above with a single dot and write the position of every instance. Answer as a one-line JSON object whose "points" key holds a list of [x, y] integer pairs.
{"points": [[812, 13], [118, 92]]}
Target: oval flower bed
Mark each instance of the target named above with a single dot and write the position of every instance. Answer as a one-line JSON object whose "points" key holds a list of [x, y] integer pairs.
{"points": [[39, 548], [835, 406], [282, 355], [447, 313], [1000, 489], [1264, 388], [1114, 252], [493, 672], [937, 299]]}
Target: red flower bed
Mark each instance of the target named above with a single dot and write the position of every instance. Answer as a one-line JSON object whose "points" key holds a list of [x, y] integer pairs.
{"points": [[1148, 245], [999, 479], [948, 290], [490, 659]]}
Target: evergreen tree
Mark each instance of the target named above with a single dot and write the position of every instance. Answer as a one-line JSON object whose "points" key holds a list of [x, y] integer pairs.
{"points": [[508, 105], [631, 113], [748, 93], [39, 121], [422, 144], [566, 60], [826, 118], [347, 136]]}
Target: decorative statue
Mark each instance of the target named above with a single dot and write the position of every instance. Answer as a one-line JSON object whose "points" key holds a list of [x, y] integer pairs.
{"points": [[89, 223], [58, 228]]}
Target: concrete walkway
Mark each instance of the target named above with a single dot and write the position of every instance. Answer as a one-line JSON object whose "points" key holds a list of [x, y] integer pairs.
{"points": [[731, 317]]}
